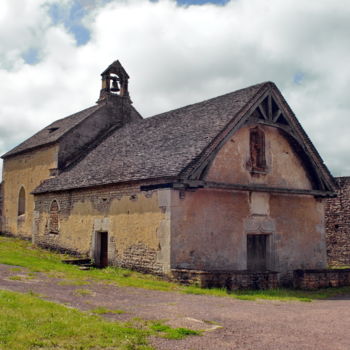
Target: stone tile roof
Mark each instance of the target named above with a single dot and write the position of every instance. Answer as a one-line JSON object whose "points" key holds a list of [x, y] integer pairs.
{"points": [[156, 147], [53, 132]]}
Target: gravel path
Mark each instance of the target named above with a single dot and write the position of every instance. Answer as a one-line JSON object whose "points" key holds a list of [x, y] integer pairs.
{"points": [[229, 323]]}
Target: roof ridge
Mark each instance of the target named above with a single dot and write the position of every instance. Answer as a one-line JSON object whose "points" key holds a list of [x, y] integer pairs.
{"points": [[210, 99], [216, 141], [155, 147], [79, 157], [73, 114], [25, 146], [314, 152]]}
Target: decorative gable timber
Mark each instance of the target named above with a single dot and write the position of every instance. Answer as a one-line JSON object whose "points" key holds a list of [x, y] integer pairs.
{"points": [[267, 107], [269, 111]]}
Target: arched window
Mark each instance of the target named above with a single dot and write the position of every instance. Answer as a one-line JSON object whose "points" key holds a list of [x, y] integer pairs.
{"points": [[53, 221], [21, 202], [257, 150]]}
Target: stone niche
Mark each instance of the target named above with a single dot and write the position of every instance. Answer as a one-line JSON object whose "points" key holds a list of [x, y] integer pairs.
{"points": [[259, 233]]}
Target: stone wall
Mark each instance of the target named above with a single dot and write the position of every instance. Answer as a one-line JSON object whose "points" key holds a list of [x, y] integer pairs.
{"points": [[210, 227], [25, 171], [140, 257], [1, 205], [135, 222], [231, 280], [315, 279], [240, 280], [93, 128], [338, 224], [284, 167], [209, 230]]}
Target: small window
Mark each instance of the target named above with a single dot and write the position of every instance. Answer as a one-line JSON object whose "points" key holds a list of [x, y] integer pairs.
{"points": [[53, 129], [257, 150], [21, 202], [53, 221]]}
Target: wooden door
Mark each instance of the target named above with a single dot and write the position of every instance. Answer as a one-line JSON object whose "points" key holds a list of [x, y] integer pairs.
{"points": [[103, 249], [257, 252]]}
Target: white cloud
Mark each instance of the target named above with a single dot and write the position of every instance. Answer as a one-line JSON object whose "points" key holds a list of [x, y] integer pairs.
{"points": [[177, 55]]}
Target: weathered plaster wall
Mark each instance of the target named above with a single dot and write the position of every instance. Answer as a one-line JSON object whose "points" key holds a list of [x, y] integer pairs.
{"points": [[284, 168], [1, 205], [137, 225], [27, 170], [300, 232], [338, 224], [207, 230], [210, 227]]}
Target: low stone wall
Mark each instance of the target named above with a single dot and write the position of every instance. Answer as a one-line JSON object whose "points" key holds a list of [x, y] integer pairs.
{"points": [[315, 279], [231, 280]]}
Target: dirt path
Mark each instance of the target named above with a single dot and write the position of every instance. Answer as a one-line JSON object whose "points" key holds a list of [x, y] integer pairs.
{"points": [[230, 324]]}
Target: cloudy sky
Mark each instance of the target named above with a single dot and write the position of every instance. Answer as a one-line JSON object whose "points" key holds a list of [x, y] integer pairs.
{"points": [[176, 53]]}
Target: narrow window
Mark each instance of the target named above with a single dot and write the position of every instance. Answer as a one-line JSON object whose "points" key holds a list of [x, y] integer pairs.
{"points": [[53, 221], [21, 202], [257, 150]]}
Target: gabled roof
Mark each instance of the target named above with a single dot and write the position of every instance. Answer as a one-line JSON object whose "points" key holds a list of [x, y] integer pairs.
{"points": [[116, 68], [53, 132], [156, 147], [179, 145]]}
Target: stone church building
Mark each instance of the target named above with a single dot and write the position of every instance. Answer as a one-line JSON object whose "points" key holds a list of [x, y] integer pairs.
{"points": [[232, 183]]}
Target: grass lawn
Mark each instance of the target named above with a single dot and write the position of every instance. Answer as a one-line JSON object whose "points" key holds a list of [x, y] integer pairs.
{"points": [[28, 322], [22, 253]]}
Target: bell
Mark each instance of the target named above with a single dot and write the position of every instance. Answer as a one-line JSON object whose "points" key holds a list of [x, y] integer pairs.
{"points": [[115, 86]]}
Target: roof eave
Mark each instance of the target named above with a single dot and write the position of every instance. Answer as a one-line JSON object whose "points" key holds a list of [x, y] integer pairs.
{"points": [[28, 150], [162, 180]]}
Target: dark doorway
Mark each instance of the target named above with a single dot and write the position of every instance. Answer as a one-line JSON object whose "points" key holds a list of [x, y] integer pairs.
{"points": [[101, 256], [257, 252]]}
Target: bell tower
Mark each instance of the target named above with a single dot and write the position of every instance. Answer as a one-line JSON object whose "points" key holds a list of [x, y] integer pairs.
{"points": [[114, 82]]}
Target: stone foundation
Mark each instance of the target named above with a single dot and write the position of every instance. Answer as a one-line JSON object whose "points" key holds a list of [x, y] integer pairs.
{"points": [[315, 279], [9, 234], [61, 250], [231, 280], [141, 258]]}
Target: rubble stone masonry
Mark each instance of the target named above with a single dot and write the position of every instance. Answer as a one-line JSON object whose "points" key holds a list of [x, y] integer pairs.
{"points": [[231, 280], [315, 279], [135, 223], [338, 225]]}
